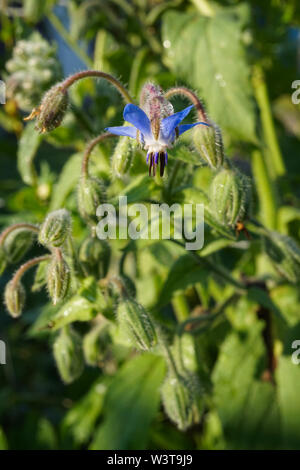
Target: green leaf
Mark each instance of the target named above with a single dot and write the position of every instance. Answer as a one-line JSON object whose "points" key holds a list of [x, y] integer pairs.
{"points": [[68, 180], [262, 298], [140, 189], [288, 380], [208, 53], [186, 271], [28, 146], [183, 153], [3, 441], [131, 404]]}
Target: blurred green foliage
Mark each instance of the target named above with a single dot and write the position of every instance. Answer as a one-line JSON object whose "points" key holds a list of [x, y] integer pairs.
{"points": [[230, 312]]}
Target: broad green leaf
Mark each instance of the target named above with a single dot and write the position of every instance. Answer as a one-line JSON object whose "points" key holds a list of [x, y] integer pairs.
{"points": [[288, 380], [186, 271], [234, 372], [247, 407], [81, 307], [68, 180], [28, 146], [208, 53], [139, 189], [183, 153], [131, 404]]}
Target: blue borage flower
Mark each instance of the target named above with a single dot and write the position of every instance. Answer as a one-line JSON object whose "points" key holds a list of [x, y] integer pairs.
{"points": [[155, 139]]}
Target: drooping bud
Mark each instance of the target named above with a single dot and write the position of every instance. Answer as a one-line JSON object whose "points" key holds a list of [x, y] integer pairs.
{"points": [[177, 400], [14, 297], [67, 350], [122, 157], [135, 323], [56, 228], [209, 143], [94, 256], [95, 344], [230, 193], [90, 194], [285, 255], [58, 278], [52, 109], [16, 244]]}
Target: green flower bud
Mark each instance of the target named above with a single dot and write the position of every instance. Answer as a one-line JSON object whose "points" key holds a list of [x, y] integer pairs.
{"points": [[209, 143], [55, 228], [95, 344], [229, 196], [177, 401], [94, 256], [90, 195], [285, 255], [33, 69], [122, 157], [16, 244], [58, 278], [135, 323], [52, 109], [67, 350], [14, 298]]}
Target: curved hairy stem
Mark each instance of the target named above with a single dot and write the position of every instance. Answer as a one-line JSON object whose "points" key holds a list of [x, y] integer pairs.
{"points": [[98, 74], [11, 228], [29, 264], [88, 151]]}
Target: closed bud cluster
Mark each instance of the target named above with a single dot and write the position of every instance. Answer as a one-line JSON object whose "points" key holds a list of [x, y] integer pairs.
{"points": [[58, 278], [14, 298], [94, 256], [33, 69], [90, 194], [177, 400], [135, 323], [52, 109], [122, 157], [67, 350], [95, 344], [229, 194], [209, 143], [56, 228], [285, 255], [16, 244]]}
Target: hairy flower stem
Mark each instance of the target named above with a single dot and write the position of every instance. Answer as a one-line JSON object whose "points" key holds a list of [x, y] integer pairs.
{"points": [[29, 264], [88, 151], [98, 74], [183, 91], [11, 228]]}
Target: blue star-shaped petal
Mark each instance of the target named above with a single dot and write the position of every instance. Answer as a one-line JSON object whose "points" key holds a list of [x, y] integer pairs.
{"points": [[169, 130]]}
